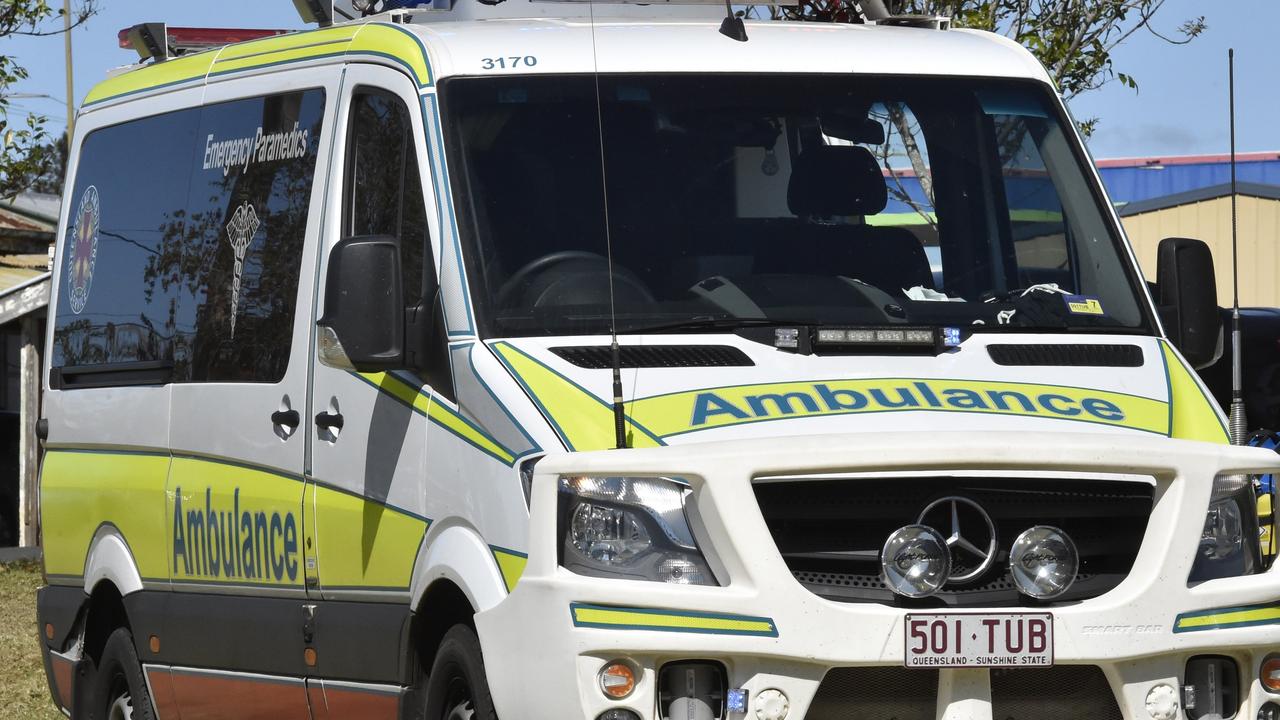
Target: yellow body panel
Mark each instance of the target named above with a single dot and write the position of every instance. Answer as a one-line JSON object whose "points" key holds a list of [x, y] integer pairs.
{"points": [[365, 545], [81, 490], [233, 524], [372, 39], [1194, 416]]}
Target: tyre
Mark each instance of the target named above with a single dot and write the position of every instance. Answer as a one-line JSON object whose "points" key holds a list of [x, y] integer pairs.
{"points": [[118, 691], [457, 688]]}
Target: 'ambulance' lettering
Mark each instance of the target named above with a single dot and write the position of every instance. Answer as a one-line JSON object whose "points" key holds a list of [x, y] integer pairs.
{"points": [[229, 543]]}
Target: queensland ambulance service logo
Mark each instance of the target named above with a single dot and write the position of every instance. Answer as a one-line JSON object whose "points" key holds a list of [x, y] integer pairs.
{"points": [[240, 231], [84, 251]]}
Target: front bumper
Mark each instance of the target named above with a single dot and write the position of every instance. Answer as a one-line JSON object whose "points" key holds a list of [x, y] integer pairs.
{"points": [[546, 642]]}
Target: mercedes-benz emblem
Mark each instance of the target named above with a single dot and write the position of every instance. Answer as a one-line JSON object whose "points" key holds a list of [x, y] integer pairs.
{"points": [[972, 553]]}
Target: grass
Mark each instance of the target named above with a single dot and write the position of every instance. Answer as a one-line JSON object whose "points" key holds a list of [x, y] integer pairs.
{"points": [[23, 692]]}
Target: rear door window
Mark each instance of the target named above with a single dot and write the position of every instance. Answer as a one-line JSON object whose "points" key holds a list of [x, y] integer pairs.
{"points": [[118, 297], [184, 246]]}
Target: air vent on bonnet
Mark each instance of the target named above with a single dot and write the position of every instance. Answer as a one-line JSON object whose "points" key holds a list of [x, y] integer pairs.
{"points": [[1068, 355], [597, 357]]}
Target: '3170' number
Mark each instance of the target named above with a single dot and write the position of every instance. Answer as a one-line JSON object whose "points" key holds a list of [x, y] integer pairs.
{"points": [[508, 62]]}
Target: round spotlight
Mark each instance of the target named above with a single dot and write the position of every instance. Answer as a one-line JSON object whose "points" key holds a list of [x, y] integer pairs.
{"points": [[1043, 562], [915, 561]]}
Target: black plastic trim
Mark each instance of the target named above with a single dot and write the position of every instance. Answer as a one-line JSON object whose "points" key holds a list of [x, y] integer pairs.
{"points": [[149, 372], [1083, 355], [59, 605], [599, 357], [354, 641]]}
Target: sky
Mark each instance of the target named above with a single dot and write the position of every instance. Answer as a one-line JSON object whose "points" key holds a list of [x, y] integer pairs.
{"points": [[1180, 107]]}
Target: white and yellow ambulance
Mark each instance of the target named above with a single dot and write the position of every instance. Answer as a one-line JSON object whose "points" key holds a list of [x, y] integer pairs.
{"points": [[335, 426]]}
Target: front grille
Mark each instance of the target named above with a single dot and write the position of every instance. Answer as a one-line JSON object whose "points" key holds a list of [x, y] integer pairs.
{"points": [[1063, 692], [1067, 355], [600, 357], [876, 693], [830, 531]]}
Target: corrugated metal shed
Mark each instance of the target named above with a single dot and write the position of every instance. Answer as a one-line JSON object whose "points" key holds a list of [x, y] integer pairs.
{"points": [[1206, 215]]}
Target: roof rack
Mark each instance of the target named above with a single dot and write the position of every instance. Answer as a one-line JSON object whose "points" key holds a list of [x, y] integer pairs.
{"points": [[328, 12], [159, 42], [875, 11]]}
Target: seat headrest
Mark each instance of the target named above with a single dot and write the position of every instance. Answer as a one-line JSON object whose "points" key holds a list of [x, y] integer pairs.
{"points": [[835, 180]]}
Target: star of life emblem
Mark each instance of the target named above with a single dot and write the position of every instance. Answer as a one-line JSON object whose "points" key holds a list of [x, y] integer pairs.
{"points": [[84, 251], [240, 231]]}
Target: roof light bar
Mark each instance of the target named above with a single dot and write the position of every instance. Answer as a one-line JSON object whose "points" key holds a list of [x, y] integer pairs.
{"points": [[159, 41]]}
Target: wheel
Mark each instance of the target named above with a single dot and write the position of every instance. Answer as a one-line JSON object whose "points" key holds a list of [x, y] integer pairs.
{"points": [[457, 688], [118, 691]]}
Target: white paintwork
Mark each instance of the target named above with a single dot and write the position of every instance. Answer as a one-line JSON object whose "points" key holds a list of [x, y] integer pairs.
{"points": [[695, 46], [109, 559], [539, 665], [458, 554], [533, 623]]}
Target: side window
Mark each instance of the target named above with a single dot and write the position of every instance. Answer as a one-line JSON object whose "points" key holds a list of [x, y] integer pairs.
{"points": [[383, 196], [184, 246], [383, 189], [118, 299], [245, 229], [1035, 211]]}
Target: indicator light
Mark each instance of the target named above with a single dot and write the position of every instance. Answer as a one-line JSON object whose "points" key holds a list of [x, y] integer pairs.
{"points": [[1269, 674], [617, 680]]}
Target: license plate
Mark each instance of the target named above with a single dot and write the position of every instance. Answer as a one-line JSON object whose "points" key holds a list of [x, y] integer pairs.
{"points": [[990, 640]]}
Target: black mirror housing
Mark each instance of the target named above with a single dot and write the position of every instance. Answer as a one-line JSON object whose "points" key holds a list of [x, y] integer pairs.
{"points": [[1188, 299], [363, 324]]}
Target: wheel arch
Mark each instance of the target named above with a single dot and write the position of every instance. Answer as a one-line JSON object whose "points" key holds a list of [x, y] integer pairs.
{"points": [[455, 577]]}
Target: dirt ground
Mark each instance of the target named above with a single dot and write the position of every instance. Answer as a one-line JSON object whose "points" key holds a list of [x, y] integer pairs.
{"points": [[23, 693]]}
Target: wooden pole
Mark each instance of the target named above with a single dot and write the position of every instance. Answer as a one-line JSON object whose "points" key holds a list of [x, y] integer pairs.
{"points": [[71, 86], [28, 445]]}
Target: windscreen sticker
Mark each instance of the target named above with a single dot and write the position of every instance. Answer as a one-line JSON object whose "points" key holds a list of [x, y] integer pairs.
{"points": [[84, 250], [240, 231], [1084, 305]]}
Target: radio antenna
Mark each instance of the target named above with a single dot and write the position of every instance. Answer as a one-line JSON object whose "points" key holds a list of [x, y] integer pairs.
{"points": [[1239, 424], [615, 355]]}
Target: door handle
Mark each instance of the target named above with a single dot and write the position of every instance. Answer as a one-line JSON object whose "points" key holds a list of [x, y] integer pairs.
{"points": [[329, 421], [286, 418]]}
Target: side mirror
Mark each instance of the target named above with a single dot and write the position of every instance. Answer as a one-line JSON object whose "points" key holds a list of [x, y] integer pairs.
{"points": [[1189, 299], [362, 328]]}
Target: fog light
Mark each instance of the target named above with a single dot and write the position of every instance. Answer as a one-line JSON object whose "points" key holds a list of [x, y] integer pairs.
{"points": [[1269, 711], [915, 561], [1269, 674], [617, 680], [1044, 562], [618, 714], [772, 705], [1162, 702]]}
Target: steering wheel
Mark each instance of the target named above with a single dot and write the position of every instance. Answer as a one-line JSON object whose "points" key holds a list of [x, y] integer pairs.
{"points": [[537, 266]]}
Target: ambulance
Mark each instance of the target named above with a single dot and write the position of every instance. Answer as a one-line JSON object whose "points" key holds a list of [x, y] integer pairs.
{"points": [[627, 362]]}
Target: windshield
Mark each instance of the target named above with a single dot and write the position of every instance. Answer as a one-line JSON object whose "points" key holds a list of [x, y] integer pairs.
{"points": [[845, 200]]}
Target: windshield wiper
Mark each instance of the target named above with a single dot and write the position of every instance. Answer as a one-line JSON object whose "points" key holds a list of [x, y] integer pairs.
{"points": [[715, 323]]}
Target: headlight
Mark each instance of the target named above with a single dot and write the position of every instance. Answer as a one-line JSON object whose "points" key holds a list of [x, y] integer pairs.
{"points": [[632, 528], [1229, 540]]}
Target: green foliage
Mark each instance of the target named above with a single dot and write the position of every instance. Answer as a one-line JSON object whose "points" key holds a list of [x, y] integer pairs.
{"points": [[1074, 39], [28, 153]]}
